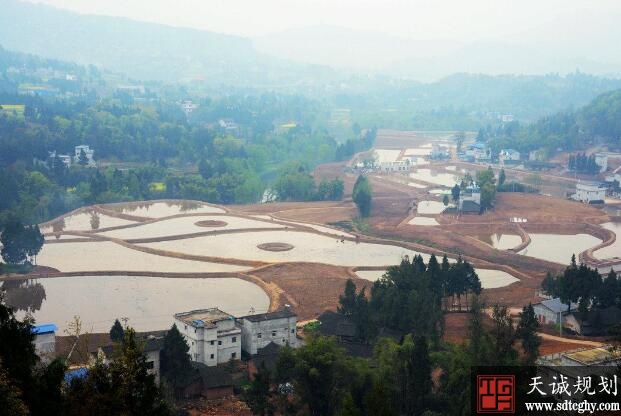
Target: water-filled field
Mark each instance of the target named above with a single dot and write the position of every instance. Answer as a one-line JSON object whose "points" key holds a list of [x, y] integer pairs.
{"points": [[557, 247], [148, 302], [423, 221], [490, 279], [427, 175], [613, 250], [163, 209]]}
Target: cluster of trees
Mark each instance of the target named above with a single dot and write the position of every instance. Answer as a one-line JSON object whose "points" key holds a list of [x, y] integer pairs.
{"points": [[20, 243], [411, 297], [30, 387], [319, 378], [585, 286], [362, 195], [297, 184], [352, 146], [582, 163]]}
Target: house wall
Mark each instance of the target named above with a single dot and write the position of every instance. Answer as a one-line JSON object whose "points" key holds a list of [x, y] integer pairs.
{"points": [[45, 346], [154, 357], [545, 315], [281, 331], [202, 342]]}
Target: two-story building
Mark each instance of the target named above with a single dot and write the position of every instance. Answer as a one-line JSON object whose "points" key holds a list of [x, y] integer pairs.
{"points": [[262, 329], [88, 152], [213, 335], [590, 192]]}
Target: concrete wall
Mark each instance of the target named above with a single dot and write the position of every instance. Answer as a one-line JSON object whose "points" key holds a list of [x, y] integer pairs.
{"points": [[278, 331], [45, 346]]}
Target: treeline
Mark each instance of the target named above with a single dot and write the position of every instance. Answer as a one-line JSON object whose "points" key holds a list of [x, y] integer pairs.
{"points": [[597, 122], [411, 297], [582, 163], [295, 183], [352, 146], [320, 378], [585, 286]]}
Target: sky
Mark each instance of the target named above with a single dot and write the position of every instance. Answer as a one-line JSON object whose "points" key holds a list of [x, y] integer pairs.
{"points": [[462, 20]]}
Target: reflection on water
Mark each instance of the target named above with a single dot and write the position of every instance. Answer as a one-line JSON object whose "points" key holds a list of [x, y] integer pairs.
{"points": [[427, 175], [162, 209], [86, 220], [148, 302], [490, 279], [501, 241], [94, 220], [23, 295]]}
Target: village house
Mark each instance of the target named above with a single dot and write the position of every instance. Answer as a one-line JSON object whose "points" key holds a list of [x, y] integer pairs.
{"points": [[87, 151], [509, 157], [601, 160], [594, 322], [395, 166], [152, 345], [212, 335], [590, 192], [64, 159], [470, 201], [478, 152], [45, 341], [550, 311], [262, 329]]}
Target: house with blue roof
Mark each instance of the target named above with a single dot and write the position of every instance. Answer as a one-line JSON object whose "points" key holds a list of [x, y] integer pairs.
{"points": [[45, 341], [551, 311]]}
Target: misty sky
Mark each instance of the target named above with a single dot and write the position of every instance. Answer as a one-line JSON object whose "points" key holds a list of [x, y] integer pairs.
{"points": [[463, 20]]}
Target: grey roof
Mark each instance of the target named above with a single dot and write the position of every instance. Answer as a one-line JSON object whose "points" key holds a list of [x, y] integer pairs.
{"points": [[556, 306], [470, 206], [282, 313]]}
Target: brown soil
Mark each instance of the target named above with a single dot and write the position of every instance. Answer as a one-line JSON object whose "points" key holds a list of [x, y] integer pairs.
{"points": [[275, 246], [310, 288]]}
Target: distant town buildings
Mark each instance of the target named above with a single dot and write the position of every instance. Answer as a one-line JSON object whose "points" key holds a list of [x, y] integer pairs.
{"points": [[88, 153], [509, 157], [590, 192], [188, 107], [507, 118]]}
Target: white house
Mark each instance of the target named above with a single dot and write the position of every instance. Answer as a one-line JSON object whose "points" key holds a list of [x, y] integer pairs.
{"points": [[45, 341], [507, 118], [601, 160], [590, 192], [550, 311], [188, 107], [259, 330], [395, 165], [87, 151], [151, 347], [509, 156], [213, 336], [64, 159]]}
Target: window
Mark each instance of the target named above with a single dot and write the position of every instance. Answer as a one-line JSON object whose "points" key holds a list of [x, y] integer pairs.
{"points": [[234, 339], [293, 331], [185, 327], [273, 333], [233, 354], [259, 335], [219, 342], [150, 365], [195, 330], [211, 342], [211, 356]]}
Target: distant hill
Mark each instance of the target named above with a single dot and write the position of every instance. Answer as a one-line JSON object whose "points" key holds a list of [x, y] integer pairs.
{"points": [[145, 51]]}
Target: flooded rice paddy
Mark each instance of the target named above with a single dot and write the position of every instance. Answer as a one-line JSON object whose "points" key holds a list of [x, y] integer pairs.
{"points": [[613, 250], [423, 221], [307, 247], [438, 178], [502, 241], [490, 279], [148, 302], [163, 209], [84, 221], [430, 207], [109, 256], [187, 225], [557, 247]]}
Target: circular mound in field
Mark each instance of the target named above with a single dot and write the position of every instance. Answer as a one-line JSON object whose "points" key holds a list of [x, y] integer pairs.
{"points": [[275, 246], [211, 223]]}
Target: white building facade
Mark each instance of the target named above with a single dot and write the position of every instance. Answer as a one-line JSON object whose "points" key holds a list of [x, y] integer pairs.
{"points": [[213, 336], [589, 192], [259, 330], [87, 151]]}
